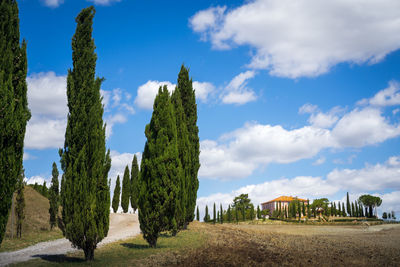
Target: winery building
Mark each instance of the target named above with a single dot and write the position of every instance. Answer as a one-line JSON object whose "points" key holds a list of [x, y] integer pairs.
{"points": [[282, 200]]}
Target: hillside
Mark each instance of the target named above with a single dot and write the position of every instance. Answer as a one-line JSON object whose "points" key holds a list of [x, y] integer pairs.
{"points": [[35, 227]]}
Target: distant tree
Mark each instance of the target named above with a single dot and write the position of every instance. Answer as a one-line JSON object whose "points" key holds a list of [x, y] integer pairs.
{"points": [[393, 215], [340, 209], [308, 209], [371, 202], [384, 215], [299, 210], [45, 191], [53, 197], [319, 205], [389, 215], [20, 205], [221, 212], [252, 213], [215, 212], [348, 205], [343, 210], [243, 213], [352, 210], [117, 192], [126, 190], [229, 214], [237, 215], [14, 111], [134, 183], [303, 206], [258, 212], [197, 214], [206, 216]]}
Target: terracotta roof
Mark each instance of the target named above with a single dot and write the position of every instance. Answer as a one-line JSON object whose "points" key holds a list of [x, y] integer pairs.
{"points": [[285, 199]]}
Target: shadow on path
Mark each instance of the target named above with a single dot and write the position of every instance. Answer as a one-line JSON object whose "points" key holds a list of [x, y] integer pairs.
{"points": [[58, 258], [135, 246]]}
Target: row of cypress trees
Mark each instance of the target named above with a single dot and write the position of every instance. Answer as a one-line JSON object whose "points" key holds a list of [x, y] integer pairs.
{"points": [[168, 180], [14, 112], [232, 214]]}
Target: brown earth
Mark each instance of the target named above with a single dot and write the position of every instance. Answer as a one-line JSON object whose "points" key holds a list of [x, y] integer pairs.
{"points": [[289, 245]]}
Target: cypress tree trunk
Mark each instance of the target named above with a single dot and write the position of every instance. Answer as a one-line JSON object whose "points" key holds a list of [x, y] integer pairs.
{"points": [[14, 112], [53, 197], [161, 172], [126, 190], [117, 193], [84, 159], [134, 183], [188, 99]]}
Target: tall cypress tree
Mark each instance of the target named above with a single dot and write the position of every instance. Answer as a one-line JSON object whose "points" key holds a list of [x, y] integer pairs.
{"points": [[184, 148], [187, 94], [117, 194], [126, 190], [348, 205], [343, 210], [53, 196], [14, 112], [84, 159], [206, 216], [198, 214], [20, 205], [134, 183], [215, 211], [161, 172]]}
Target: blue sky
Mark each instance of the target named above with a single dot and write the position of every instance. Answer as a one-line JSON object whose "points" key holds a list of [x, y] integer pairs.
{"points": [[293, 99]]}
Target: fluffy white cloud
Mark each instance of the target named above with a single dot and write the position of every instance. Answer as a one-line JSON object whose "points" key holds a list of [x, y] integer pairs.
{"points": [[236, 92], [304, 38], [307, 108], [364, 127], [203, 90], [370, 178], [37, 179], [104, 2], [147, 92], [319, 161], [47, 100], [387, 97], [53, 3]]}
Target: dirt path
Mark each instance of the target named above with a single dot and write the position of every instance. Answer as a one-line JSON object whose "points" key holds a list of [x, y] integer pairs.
{"points": [[121, 226]]}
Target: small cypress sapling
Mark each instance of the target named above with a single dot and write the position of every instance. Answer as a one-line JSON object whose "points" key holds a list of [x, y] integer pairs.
{"points": [[117, 192], [53, 196], [126, 190], [197, 214]]}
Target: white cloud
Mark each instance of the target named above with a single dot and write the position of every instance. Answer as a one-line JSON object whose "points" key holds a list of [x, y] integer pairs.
{"points": [[237, 92], [47, 100], [104, 2], [386, 97], [38, 179], [147, 92], [319, 161], [307, 108], [304, 38], [203, 90], [370, 178], [53, 3], [112, 120], [364, 127]]}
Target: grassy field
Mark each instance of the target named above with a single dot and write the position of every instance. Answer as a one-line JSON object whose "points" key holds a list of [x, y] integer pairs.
{"points": [[251, 245], [35, 227]]}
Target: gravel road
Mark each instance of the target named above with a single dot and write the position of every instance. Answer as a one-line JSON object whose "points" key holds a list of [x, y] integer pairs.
{"points": [[121, 226]]}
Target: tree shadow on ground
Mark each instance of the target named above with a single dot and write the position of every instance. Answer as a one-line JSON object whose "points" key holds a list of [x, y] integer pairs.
{"points": [[60, 258], [135, 246]]}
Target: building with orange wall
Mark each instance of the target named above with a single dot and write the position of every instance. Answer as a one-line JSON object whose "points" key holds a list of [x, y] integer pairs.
{"points": [[284, 201]]}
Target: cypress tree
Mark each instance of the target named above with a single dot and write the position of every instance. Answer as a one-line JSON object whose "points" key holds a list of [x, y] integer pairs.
{"points": [[308, 209], [303, 209], [236, 215], [184, 147], [243, 212], [206, 216], [14, 112], [214, 218], [252, 212], [185, 89], [20, 205], [348, 205], [352, 210], [126, 190], [229, 214], [84, 159], [160, 172], [117, 193], [299, 210], [218, 217], [356, 209], [221, 212], [258, 212], [134, 183], [343, 210], [197, 214], [340, 209], [53, 196]]}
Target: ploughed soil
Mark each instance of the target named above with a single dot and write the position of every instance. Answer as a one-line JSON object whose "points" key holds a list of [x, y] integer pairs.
{"points": [[288, 245]]}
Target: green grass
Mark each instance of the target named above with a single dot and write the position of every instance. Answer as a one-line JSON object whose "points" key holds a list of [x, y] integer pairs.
{"points": [[129, 252]]}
